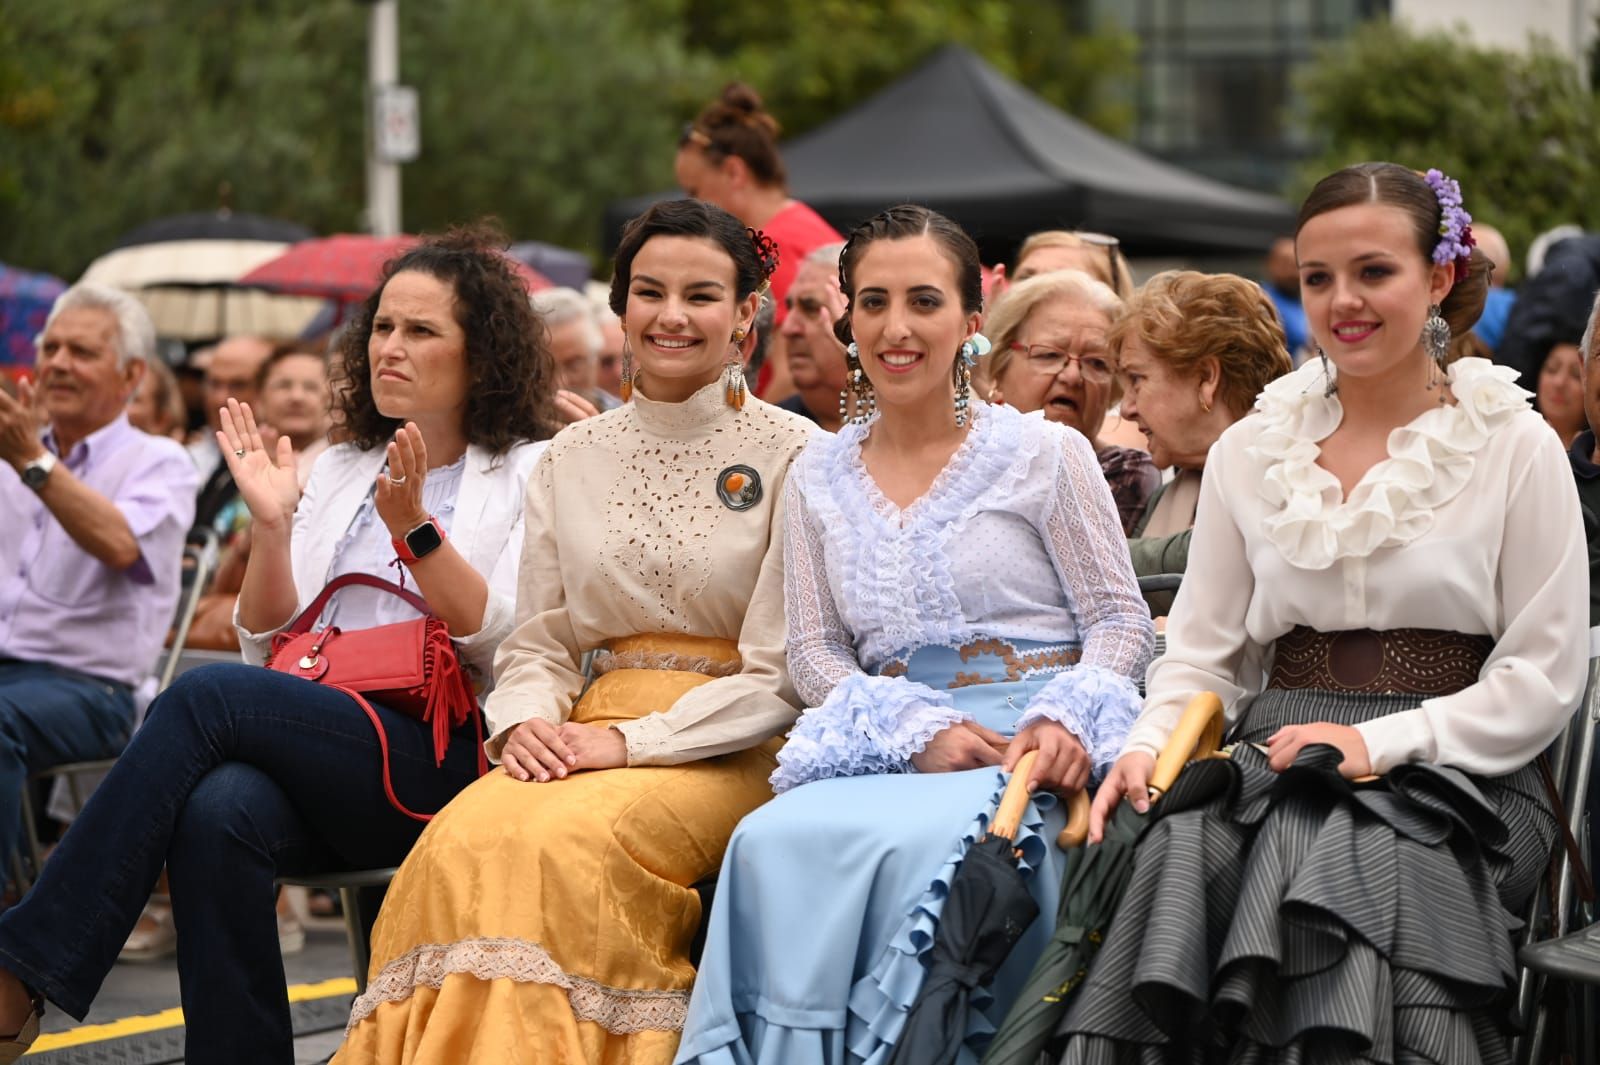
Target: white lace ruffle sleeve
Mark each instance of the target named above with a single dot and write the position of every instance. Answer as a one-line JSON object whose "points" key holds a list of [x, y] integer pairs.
{"points": [[1017, 539], [1471, 524]]}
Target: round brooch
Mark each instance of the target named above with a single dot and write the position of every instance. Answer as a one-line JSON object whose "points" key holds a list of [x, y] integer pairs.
{"points": [[739, 487]]}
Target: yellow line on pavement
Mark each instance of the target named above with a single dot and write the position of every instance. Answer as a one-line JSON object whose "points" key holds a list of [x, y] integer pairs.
{"points": [[173, 1018]]}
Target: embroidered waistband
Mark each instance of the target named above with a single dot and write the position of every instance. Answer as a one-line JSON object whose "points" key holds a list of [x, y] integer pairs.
{"points": [[706, 655], [984, 661], [1425, 662]]}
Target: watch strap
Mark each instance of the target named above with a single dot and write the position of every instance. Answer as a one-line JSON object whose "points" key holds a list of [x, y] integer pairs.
{"points": [[402, 545]]}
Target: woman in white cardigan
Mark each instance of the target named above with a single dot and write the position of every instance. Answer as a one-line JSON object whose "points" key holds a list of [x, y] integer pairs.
{"points": [[241, 775]]}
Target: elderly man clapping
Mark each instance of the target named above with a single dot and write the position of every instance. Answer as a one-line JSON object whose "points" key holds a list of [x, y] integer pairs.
{"points": [[96, 513]]}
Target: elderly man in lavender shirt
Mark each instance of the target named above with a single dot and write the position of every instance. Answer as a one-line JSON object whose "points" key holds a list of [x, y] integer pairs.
{"points": [[95, 514]]}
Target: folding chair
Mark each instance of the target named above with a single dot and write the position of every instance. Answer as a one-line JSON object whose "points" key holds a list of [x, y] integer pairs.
{"points": [[201, 552], [356, 924], [1560, 953]]}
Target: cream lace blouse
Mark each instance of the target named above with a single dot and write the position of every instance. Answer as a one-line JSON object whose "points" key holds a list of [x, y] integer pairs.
{"points": [[627, 534]]}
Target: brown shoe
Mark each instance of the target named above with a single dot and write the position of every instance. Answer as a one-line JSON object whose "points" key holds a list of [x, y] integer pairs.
{"points": [[13, 1048]]}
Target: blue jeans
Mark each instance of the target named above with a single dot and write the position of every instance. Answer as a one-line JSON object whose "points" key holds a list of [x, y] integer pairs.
{"points": [[238, 775], [48, 717]]}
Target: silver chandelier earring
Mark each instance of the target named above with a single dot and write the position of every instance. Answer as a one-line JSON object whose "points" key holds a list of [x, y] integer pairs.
{"points": [[1327, 373], [1436, 336]]}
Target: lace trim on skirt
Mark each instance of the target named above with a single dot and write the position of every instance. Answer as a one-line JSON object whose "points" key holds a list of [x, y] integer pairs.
{"points": [[619, 1010]]}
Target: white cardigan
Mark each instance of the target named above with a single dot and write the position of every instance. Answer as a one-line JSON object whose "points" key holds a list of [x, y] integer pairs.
{"points": [[486, 530]]}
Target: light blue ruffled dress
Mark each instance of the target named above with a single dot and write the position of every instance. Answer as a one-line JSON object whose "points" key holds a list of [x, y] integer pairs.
{"points": [[1003, 595]]}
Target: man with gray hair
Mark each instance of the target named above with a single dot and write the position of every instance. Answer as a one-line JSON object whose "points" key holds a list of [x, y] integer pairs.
{"points": [[816, 358], [95, 517], [575, 343]]}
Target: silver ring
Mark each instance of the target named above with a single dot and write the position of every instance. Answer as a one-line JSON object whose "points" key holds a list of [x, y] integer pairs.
{"points": [[238, 452], [397, 481]]}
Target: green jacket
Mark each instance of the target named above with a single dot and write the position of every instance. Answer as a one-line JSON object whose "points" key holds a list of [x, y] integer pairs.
{"points": [[1158, 554]]}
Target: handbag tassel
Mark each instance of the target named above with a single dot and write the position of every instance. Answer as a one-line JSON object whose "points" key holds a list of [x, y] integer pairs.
{"points": [[448, 703]]}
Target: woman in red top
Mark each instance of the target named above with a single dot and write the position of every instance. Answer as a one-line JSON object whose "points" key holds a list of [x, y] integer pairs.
{"points": [[729, 157]]}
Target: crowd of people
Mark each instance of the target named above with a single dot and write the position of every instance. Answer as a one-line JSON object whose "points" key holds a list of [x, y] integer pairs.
{"points": [[767, 574]]}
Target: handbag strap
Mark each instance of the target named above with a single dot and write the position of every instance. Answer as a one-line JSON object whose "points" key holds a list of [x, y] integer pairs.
{"points": [[383, 750], [313, 610]]}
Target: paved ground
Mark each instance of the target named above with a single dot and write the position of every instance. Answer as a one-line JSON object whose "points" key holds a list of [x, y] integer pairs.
{"points": [[137, 997]]}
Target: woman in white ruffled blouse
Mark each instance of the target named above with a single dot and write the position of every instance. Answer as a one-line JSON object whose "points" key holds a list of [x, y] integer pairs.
{"points": [[958, 591], [1362, 596]]}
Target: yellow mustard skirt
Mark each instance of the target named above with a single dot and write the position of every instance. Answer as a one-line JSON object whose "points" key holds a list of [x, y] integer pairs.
{"points": [[551, 922]]}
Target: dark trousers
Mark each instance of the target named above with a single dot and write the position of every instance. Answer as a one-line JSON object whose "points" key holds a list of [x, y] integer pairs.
{"points": [[238, 775], [48, 717]]}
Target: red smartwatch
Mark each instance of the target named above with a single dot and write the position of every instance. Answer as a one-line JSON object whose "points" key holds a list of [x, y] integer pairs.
{"points": [[419, 542]]}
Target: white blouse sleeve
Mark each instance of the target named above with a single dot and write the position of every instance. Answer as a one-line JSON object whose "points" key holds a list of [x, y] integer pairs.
{"points": [[1097, 700], [1535, 675], [858, 723], [1208, 648]]}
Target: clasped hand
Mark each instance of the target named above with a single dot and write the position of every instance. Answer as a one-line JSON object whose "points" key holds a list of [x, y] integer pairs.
{"points": [[538, 750], [1062, 765]]}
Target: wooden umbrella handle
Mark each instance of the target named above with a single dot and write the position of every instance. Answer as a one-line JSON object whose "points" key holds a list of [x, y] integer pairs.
{"points": [[1077, 829], [1198, 735], [1008, 818]]}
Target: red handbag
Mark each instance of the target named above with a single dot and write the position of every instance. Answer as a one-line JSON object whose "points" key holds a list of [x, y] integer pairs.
{"points": [[410, 666]]}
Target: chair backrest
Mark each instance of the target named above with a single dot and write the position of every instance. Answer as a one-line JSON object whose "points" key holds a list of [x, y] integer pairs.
{"points": [[1571, 760], [201, 553]]}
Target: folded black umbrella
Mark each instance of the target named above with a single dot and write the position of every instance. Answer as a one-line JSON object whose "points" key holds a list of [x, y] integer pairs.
{"points": [[985, 914], [1091, 887]]}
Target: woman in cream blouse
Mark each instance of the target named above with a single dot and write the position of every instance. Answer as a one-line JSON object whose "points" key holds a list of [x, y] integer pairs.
{"points": [[546, 915], [1361, 596]]}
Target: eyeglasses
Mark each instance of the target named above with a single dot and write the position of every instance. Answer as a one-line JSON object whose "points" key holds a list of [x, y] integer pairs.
{"points": [[1111, 245], [1049, 361]]}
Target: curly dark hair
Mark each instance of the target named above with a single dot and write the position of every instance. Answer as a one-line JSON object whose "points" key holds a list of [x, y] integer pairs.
{"points": [[754, 254], [511, 390]]}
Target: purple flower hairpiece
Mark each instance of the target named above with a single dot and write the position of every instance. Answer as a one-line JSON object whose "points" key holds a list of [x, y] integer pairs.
{"points": [[1455, 224]]}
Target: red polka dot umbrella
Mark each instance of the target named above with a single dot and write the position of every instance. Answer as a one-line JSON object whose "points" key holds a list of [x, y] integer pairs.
{"points": [[346, 267]]}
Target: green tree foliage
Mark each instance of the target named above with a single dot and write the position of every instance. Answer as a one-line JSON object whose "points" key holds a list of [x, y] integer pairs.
{"points": [[1519, 130], [537, 111]]}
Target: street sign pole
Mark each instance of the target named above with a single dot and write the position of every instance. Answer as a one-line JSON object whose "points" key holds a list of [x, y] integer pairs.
{"points": [[383, 71]]}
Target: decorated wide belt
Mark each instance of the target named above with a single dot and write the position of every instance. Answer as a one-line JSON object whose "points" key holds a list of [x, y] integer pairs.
{"points": [[707, 655], [1425, 662], [983, 661]]}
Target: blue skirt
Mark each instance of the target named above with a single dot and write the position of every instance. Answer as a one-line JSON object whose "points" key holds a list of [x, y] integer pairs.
{"points": [[831, 894]]}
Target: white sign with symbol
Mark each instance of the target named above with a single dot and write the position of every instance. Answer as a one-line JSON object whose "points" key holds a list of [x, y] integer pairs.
{"points": [[396, 123]]}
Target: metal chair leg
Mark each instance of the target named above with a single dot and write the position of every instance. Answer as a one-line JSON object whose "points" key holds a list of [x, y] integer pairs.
{"points": [[356, 931]]}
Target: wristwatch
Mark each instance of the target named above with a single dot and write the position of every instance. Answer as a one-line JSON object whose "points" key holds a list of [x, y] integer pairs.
{"points": [[419, 542], [36, 472]]}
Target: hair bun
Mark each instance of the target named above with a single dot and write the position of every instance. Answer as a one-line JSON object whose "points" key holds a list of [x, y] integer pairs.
{"points": [[766, 251], [741, 104]]}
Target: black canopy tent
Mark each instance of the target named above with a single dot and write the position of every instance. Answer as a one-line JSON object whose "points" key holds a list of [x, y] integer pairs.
{"points": [[960, 137]]}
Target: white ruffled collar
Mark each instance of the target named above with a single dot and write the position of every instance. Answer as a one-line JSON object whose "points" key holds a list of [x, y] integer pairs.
{"points": [[1430, 461]]}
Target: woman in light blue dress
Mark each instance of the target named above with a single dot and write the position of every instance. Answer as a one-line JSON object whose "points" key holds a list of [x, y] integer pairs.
{"points": [[958, 591]]}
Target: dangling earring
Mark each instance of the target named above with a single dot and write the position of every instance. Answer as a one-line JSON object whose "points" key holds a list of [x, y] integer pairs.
{"points": [[857, 391], [625, 386], [966, 358], [733, 389], [1327, 373], [1436, 338]]}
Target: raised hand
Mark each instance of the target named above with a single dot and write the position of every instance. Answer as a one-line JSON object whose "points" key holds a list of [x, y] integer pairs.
{"points": [[266, 476], [399, 492], [19, 426], [571, 407]]}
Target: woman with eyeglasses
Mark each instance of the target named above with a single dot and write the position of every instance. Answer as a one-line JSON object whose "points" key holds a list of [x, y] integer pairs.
{"points": [[1050, 354], [728, 156]]}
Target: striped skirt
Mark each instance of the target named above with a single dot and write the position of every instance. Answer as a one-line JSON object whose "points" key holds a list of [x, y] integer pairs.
{"points": [[1296, 918]]}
